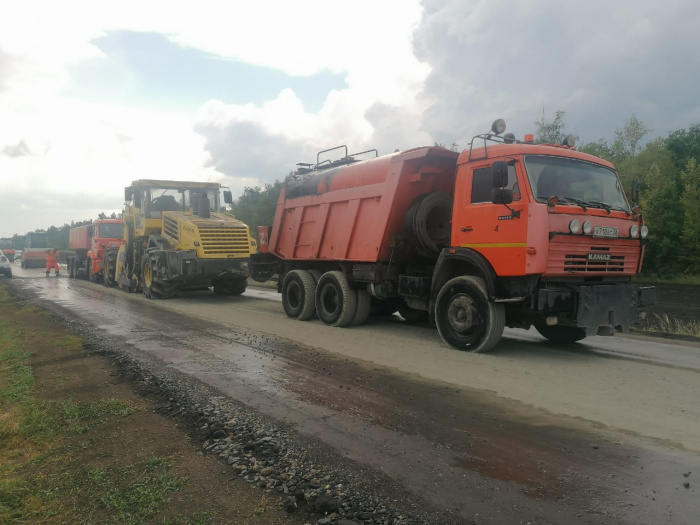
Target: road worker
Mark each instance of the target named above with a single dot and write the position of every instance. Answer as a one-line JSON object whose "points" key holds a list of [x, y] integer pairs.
{"points": [[52, 261]]}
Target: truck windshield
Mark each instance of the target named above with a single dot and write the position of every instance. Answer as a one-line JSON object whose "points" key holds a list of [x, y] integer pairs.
{"points": [[164, 200], [111, 231], [575, 182]]}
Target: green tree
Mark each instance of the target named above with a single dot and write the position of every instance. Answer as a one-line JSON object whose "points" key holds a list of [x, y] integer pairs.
{"points": [[256, 206], [690, 236], [627, 139], [599, 149], [550, 132], [684, 145], [663, 213], [454, 147]]}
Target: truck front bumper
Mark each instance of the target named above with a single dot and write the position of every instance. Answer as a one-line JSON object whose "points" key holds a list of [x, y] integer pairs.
{"points": [[594, 307]]}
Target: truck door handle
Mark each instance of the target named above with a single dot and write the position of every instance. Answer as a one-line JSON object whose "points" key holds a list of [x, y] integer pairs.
{"points": [[467, 229]]}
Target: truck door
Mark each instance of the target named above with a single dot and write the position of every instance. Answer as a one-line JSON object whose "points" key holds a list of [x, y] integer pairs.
{"points": [[493, 230]]}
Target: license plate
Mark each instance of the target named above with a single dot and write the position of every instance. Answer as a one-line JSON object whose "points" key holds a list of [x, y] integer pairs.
{"points": [[604, 231]]}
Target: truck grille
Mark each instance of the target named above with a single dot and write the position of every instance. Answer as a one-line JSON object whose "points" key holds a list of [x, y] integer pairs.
{"points": [[569, 258], [223, 241], [170, 227]]}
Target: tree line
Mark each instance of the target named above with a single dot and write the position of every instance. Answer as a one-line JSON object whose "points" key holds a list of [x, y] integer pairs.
{"points": [[57, 236], [667, 170]]}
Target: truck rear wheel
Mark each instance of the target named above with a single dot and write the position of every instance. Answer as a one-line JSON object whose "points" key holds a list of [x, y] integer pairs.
{"points": [[336, 302], [560, 334], [428, 223], [465, 318], [299, 295], [364, 304]]}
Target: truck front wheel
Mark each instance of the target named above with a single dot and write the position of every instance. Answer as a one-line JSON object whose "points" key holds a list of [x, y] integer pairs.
{"points": [[110, 265], [560, 334], [299, 295], [336, 302], [465, 318]]}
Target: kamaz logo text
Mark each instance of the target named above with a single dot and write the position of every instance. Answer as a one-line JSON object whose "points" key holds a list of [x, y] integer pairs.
{"points": [[599, 256]]}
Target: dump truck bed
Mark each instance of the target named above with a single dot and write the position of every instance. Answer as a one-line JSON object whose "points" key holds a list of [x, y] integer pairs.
{"points": [[355, 212]]}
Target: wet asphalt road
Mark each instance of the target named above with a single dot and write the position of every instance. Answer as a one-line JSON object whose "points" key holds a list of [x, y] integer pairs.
{"points": [[503, 452]]}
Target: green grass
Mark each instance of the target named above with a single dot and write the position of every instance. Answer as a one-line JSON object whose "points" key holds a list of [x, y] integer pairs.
{"points": [[40, 475], [663, 323]]}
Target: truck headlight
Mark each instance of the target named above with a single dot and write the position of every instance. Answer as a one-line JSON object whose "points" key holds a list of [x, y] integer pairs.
{"points": [[634, 231], [575, 227], [587, 227], [644, 231]]}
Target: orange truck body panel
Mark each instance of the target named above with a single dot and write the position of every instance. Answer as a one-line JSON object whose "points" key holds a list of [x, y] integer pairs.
{"points": [[35, 251], [353, 213]]}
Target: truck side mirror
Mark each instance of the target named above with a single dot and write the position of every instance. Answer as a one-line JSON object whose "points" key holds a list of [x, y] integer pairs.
{"points": [[499, 170], [501, 196], [90, 231], [128, 193], [635, 191], [228, 197]]}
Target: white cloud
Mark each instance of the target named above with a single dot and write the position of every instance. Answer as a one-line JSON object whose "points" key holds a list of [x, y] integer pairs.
{"points": [[415, 71]]}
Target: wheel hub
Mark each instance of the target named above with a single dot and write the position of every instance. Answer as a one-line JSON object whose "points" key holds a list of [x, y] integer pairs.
{"points": [[461, 314]]}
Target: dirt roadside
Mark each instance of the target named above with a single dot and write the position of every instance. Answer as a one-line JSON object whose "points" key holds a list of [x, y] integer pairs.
{"points": [[211, 494]]}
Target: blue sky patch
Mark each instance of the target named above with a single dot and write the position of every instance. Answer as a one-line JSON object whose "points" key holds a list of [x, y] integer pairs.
{"points": [[147, 70]]}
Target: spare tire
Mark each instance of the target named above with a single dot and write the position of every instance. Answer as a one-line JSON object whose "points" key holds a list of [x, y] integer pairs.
{"points": [[428, 223]]}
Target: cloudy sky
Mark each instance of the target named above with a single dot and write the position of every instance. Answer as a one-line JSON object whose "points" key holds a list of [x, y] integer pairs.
{"points": [[94, 95]]}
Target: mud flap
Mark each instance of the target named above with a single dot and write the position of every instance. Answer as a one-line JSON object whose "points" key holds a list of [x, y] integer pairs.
{"points": [[616, 306]]}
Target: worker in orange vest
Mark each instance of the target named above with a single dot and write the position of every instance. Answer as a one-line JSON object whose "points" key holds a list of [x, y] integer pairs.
{"points": [[52, 261]]}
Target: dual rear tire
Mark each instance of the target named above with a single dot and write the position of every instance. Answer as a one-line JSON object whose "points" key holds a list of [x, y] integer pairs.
{"points": [[328, 295]]}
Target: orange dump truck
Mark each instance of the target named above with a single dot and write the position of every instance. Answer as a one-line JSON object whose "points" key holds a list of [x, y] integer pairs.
{"points": [[505, 233], [91, 242], [35, 250]]}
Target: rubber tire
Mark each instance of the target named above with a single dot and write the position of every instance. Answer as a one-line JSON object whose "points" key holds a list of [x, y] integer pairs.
{"points": [[561, 334], [364, 304], [109, 269], [411, 315], [22, 264], [8, 273], [428, 223], [465, 297], [299, 295], [316, 274], [336, 302], [147, 280]]}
